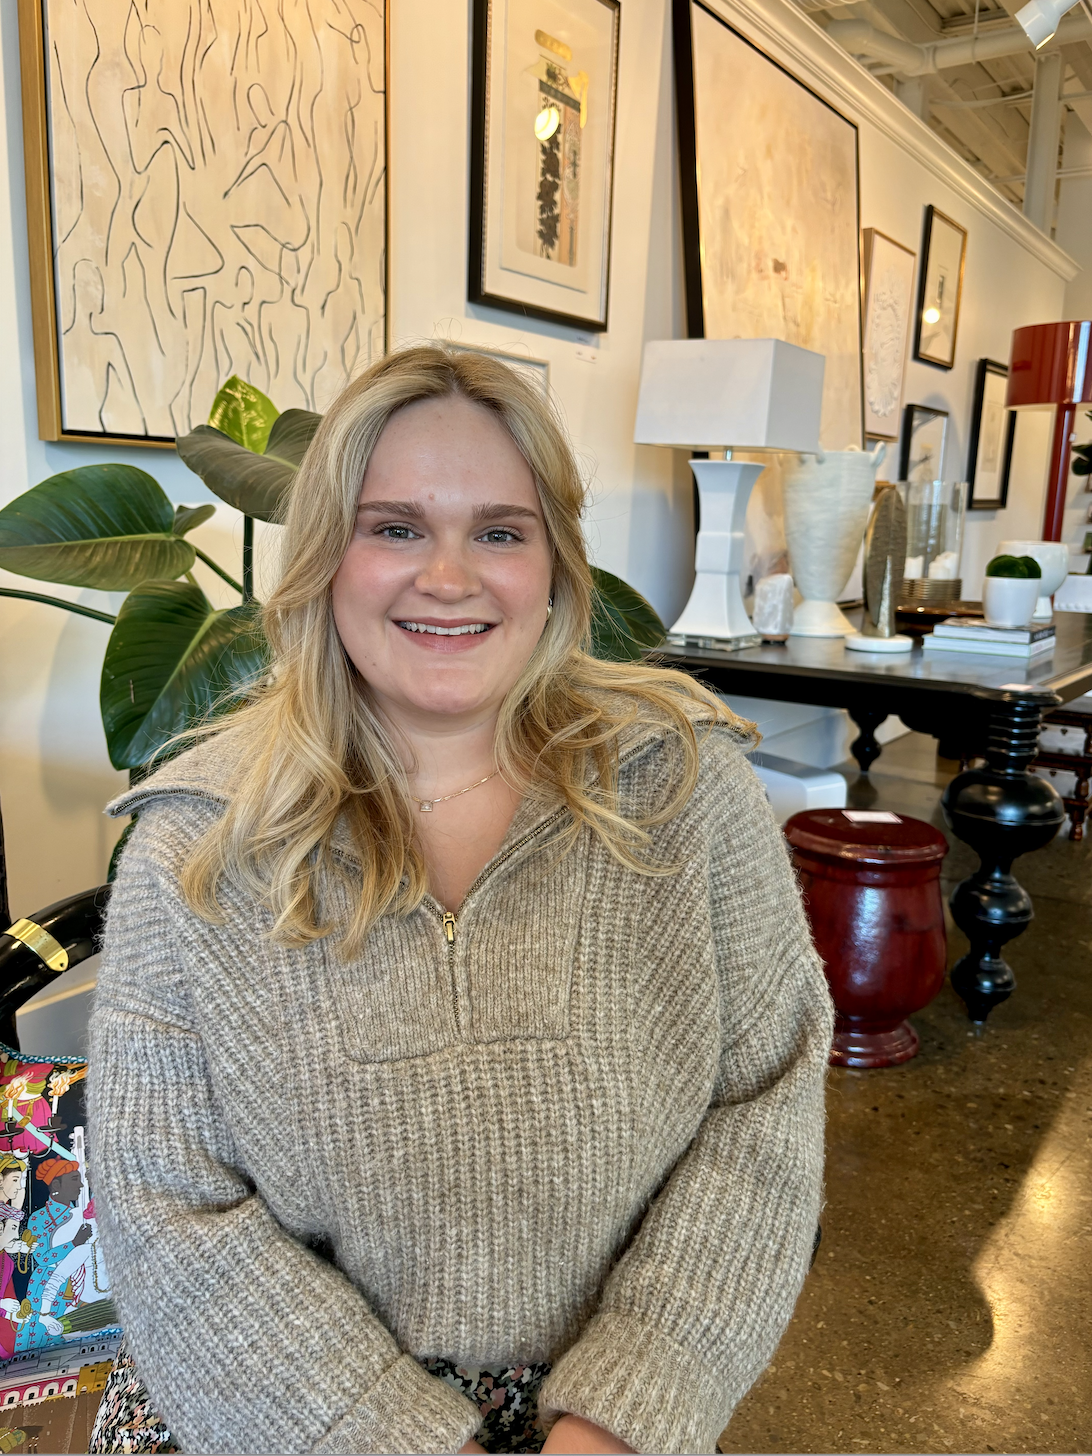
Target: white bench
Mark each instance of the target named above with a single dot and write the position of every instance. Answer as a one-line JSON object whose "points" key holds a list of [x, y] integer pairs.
{"points": [[792, 787]]}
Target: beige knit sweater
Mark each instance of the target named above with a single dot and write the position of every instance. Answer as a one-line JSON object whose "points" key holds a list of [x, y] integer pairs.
{"points": [[587, 1131]]}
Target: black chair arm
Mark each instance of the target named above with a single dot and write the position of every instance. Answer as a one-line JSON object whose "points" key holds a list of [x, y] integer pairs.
{"points": [[72, 926]]}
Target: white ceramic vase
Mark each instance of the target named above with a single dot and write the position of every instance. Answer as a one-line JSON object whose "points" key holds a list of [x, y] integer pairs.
{"points": [[1053, 559], [1009, 601], [827, 499]]}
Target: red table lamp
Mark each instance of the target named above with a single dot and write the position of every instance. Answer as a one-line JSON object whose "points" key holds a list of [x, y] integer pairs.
{"points": [[1052, 364]]}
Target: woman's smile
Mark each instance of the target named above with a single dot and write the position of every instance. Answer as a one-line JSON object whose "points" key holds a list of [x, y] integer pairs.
{"points": [[437, 634]]}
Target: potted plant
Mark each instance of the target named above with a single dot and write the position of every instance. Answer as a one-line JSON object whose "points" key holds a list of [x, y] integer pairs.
{"points": [[1010, 590]]}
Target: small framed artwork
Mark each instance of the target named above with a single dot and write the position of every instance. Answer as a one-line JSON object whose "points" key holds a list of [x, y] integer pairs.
{"points": [[991, 442], [542, 157], [889, 302], [943, 254], [924, 433]]}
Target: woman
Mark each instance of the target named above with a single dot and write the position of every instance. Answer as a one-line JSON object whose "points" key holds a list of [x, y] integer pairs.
{"points": [[458, 1045], [13, 1247]]}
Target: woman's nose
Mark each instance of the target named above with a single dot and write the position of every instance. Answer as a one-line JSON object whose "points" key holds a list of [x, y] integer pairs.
{"points": [[448, 576]]}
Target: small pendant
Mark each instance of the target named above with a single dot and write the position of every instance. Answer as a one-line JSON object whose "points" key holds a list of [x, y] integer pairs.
{"points": [[426, 806]]}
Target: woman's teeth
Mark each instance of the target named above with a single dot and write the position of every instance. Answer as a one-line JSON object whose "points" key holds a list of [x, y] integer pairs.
{"points": [[473, 627]]}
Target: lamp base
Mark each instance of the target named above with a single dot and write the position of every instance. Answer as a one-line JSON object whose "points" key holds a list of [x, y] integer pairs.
{"points": [[715, 644], [715, 614]]}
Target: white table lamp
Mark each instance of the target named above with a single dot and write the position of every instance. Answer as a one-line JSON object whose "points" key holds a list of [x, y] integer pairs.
{"points": [[725, 394]]}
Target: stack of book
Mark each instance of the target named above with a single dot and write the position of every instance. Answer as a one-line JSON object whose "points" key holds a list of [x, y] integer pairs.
{"points": [[974, 634]]}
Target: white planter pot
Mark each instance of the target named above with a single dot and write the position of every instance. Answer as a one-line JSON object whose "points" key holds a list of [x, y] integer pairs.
{"points": [[827, 499], [1053, 559], [1008, 601]]}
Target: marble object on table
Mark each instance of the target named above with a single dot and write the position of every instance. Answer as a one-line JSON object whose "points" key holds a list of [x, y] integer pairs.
{"points": [[772, 612]]}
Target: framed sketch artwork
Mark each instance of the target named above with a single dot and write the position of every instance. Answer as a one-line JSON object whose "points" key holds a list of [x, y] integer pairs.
{"points": [[924, 435], [889, 301], [943, 254], [769, 187], [206, 196], [542, 157], [992, 427]]}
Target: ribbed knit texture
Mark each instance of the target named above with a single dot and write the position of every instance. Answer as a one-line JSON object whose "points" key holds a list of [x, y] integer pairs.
{"points": [[590, 1132]]}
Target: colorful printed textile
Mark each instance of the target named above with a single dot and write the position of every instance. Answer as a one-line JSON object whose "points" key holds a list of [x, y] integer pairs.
{"points": [[506, 1395], [54, 1290], [125, 1419]]}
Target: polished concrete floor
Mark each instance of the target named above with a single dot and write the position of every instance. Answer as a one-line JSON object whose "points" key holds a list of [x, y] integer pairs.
{"points": [[950, 1307]]}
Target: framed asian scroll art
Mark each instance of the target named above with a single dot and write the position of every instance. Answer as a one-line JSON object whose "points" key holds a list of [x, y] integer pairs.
{"points": [[201, 205], [542, 158], [943, 256]]}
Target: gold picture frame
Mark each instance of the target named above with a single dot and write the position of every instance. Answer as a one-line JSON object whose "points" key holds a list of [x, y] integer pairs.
{"points": [[191, 262]]}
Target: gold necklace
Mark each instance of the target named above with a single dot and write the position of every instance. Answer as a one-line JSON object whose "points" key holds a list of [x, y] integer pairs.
{"points": [[426, 805]]}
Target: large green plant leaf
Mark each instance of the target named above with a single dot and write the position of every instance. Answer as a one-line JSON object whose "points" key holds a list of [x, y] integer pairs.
{"points": [[624, 625], [291, 434], [244, 413], [104, 526], [187, 517], [257, 485], [171, 661]]}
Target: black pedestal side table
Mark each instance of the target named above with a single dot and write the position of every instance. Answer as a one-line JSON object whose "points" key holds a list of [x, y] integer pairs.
{"points": [[985, 706]]}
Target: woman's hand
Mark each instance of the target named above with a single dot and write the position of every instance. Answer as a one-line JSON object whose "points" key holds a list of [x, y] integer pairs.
{"points": [[471, 1445], [575, 1434]]}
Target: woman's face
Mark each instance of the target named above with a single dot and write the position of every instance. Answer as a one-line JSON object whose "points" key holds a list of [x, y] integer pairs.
{"points": [[11, 1186], [441, 595]]}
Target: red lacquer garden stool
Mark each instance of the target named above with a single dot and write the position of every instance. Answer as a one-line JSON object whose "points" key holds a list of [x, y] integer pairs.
{"points": [[872, 893]]}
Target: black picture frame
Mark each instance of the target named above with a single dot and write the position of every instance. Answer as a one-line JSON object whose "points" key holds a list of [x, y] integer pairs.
{"points": [[979, 497], [530, 297], [697, 249], [913, 417], [926, 283]]}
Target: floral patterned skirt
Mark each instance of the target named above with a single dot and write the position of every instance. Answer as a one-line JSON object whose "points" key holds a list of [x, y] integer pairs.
{"points": [[506, 1395]]}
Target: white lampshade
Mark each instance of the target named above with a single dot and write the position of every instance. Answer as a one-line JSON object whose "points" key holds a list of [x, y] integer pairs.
{"points": [[742, 394]]}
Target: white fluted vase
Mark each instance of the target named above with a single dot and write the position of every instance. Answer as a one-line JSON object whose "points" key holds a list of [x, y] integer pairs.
{"points": [[827, 499]]}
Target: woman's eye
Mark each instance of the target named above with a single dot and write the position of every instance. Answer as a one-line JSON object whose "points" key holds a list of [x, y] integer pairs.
{"points": [[397, 533], [501, 536]]}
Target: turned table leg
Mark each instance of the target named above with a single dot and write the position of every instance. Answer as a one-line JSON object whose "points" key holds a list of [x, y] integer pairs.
{"points": [[1001, 811], [865, 749]]}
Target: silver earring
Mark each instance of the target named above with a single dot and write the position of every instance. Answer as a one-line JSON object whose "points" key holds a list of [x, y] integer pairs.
{"points": [[549, 606]]}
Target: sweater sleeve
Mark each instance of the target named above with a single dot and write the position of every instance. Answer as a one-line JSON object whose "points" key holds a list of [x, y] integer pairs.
{"points": [[694, 1309], [247, 1339]]}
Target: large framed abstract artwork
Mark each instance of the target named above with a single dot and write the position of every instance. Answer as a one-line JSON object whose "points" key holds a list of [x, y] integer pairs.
{"points": [[769, 183], [206, 196], [542, 158]]}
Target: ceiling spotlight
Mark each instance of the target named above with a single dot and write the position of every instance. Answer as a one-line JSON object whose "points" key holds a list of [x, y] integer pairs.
{"points": [[1040, 18]]}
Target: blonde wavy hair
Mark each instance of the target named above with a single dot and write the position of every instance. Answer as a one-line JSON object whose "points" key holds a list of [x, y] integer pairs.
{"points": [[316, 750]]}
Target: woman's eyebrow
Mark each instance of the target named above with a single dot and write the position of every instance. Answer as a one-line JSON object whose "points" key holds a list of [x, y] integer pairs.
{"points": [[392, 508], [498, 512]]}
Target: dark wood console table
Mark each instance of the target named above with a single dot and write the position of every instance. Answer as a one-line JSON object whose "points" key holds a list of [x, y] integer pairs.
{"points": [[991, 706]]}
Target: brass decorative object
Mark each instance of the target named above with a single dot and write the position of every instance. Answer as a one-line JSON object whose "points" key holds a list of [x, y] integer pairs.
{"points": [[41, 943]]}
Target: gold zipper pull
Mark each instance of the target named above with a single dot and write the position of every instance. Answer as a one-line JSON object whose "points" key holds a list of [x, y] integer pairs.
{"points": [[449, 927]]}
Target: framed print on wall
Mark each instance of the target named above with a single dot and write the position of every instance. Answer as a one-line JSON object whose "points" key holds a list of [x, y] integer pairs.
{"points": [[990, 449], [924, 435], [889, 302], [542, 158], [200, 204], [943, 255], [769, 186]]}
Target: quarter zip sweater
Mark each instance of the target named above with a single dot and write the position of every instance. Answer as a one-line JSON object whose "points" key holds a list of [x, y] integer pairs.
{"points": [[581, 1122]]}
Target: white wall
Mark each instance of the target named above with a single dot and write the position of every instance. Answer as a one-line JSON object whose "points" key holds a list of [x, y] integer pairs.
{"points": [[54, 773]]}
